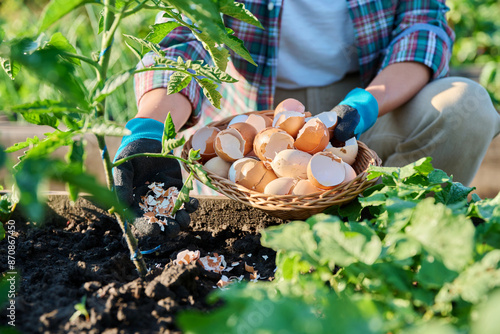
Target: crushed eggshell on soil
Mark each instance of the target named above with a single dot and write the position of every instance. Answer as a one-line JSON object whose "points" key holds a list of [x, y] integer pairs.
{"points": [[224, 281], [187, 256], [214, 263]]}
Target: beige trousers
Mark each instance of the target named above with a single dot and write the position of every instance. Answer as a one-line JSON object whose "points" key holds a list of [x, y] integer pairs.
{"points": [[451, 120]]}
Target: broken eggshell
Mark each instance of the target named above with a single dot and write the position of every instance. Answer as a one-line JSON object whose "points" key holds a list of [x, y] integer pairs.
{"points": [[313, 137], [240, 168], [269, 142], [280, 186], [329, 118], [203, 140], [348, 152], [291, 163], [305, 187], [259, 122], [289, 104], [257, 177], [218, 166], [235, 142], [290, 121], [237, 119], [325, 170]]}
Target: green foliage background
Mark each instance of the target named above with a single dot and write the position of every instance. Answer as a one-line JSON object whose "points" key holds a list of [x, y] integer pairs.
{"points": [[475, 22], [20, 18]]}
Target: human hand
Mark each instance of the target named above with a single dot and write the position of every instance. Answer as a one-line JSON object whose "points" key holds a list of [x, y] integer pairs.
{"points": [[133, 177], [356, 114]]}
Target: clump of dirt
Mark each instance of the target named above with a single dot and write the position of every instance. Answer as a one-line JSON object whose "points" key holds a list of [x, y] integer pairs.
{"points": [[79, 252]]}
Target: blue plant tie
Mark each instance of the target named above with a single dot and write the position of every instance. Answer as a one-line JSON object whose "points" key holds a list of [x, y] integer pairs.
{"points": [[103, 52], [104, 151], [151, 250], [134, 256]]}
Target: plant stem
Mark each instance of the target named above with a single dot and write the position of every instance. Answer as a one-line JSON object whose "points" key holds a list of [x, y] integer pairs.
{"points": [[111, 22], [82, 58], [136, 256], [151, 155]]}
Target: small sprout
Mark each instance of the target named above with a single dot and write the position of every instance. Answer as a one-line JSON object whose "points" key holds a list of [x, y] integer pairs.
{"points": [[81, 309]]}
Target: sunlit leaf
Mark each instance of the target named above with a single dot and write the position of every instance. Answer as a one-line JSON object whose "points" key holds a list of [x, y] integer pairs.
{"points": [[238, 11], [177, 82], [56, 9], [160, 30], [210, 91], [113, 83], [60, 42]]}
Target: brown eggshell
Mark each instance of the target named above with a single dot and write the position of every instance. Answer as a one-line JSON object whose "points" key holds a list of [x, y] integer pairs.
{"points": [[329, 118], [291, 163], [247, 133], [313, 137], [280, 186], [325, 170], [305, 187], [218, 166], [203, 140], [257, 177], [259, 122], [240, 168], [348, 152], [289, 105], [269, 142], [229, 145], [290, 121]]}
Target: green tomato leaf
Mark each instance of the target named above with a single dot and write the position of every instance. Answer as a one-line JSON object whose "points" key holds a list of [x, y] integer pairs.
{"points": [[236, 44], [49, 106], [112, 84], [102, 127], [41, 119], [159, 31], [10, 67], [56, 9], [60, 42], [202, 176], [168, 131], [147, 45], [210, 91], [184, 193], [453, 193], [177, 82], [219, 54], [194, 155], [30, 142], [238, 11], [171, 144], [433, 274]]}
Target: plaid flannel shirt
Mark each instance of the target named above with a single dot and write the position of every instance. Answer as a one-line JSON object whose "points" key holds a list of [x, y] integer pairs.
{"points": [[386, 32]]}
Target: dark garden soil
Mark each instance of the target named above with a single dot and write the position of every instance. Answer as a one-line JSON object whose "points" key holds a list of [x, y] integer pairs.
{"points": [[79, 252]]}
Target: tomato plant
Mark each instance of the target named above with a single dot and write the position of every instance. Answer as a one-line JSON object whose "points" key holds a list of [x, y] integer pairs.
{"points": [[81, 104]]}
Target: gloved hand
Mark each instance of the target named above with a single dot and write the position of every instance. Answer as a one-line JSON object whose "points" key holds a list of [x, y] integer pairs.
{"points": [[133, 177], [356, 114]]}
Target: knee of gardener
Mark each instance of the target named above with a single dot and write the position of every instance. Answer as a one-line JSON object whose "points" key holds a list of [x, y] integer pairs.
{"points": [[467, 109]]}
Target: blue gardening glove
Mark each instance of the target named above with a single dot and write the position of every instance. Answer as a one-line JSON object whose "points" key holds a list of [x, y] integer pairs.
{"points": [[133, 177], [356, 114]]}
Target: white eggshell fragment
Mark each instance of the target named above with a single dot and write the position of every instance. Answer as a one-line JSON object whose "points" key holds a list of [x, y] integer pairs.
{"points": [[313, 137], [325, 170], [329, 118], [218, 166], [280, 186], [348, 152], [350, 173], [237, 119], [305, 187], [203, 140], [240, 168], [291, 163], [269, 142]]}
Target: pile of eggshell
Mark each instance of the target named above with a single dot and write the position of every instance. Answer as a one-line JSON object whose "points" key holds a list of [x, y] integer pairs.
{"points": [[290, 154]]}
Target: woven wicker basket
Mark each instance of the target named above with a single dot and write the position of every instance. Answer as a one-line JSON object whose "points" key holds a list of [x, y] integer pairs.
{"points": [[292, 206]]}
